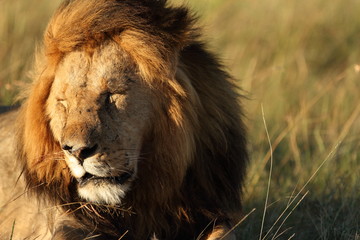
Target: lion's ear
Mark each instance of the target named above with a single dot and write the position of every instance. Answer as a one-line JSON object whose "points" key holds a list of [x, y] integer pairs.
{"points": [[179, 24], [162, 2]]}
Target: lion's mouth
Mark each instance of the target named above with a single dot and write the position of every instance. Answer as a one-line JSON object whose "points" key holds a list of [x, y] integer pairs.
{"points": [[88, 177]]}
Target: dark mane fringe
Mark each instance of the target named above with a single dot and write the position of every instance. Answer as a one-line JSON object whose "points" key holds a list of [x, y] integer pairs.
{"points": [[199, 143]]}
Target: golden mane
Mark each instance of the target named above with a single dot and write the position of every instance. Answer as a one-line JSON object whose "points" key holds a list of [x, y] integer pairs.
{"points": [[199, 122]]}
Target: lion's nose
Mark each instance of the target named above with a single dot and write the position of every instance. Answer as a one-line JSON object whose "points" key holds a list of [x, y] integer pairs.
{"points": [[80, 152]]}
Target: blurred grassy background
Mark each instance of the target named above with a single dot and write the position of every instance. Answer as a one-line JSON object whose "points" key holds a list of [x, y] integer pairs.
{"points": [[300, 60]]}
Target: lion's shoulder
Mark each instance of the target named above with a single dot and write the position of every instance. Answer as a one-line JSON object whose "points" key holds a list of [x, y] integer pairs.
{"points": [[17, 209], [7, 153]]}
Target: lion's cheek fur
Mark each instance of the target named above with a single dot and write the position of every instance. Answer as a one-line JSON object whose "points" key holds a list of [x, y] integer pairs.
{"points": [[38, 151]]}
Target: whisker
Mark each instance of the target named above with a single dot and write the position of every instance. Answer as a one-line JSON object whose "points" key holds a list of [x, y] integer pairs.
{"points": [[89, 207]]}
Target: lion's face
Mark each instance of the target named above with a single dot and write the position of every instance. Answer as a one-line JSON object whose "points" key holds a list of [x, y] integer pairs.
{"points": [[100, 110]]}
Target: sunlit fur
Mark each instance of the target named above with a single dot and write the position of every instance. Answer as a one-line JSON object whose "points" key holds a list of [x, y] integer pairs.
{"points": [[111, 193], [193, 175]]}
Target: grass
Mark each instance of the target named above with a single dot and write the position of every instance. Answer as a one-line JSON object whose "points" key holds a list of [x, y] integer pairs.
{"points": [[21, 26], [300, 60]]}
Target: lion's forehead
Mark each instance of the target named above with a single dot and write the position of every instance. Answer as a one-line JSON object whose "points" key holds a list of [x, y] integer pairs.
{"points": [[108, 65]]}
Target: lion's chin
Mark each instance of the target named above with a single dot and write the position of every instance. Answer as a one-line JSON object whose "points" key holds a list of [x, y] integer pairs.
{"points": [[103, 192]]}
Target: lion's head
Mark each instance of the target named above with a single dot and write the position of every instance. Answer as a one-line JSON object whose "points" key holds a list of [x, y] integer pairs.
{"points": [[127, 108], [100, 112]]}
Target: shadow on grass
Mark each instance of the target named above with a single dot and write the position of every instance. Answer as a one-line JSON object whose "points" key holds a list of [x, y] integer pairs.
{"points": [[322, 218]]}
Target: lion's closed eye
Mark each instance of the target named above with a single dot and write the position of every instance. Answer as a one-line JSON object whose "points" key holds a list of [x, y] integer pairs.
{"points": [[114, 99], [62, 102]]}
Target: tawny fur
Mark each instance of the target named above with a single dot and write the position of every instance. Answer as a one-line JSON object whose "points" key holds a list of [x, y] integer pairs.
{"points": [[193, 176]]}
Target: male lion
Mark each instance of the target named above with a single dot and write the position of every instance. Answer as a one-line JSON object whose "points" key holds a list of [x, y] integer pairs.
{"points": [[131, 130]]}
